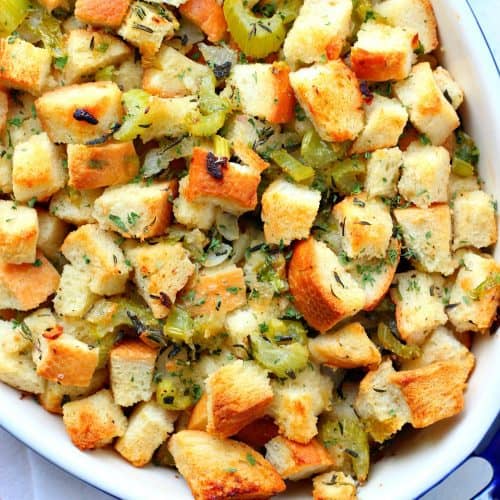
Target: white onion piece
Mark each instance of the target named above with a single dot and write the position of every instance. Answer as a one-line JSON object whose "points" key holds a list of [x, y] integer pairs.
{"points": [[218, 255], [227, 225]]}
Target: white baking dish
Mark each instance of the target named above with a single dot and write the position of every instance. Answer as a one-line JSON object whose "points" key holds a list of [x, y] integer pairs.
{"points": [[427, 456]]}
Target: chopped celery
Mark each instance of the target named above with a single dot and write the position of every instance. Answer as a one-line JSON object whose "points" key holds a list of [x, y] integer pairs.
{"points": [[461, 168], [41, 25], [296, 170], [173, 394], [207, 125], [465, 156], [488, 284], [348, 175], [317, 152], [388, 341], [106, 74], [12, 13], [179, 325], [286, 330], [105, 345], [136, 103], [222, 146]]}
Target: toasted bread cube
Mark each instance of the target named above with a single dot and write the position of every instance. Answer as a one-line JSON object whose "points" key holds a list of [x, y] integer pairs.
{"points": [[449, 87], [22, 120], [106, 14], [37, 169], [89, 102], [239, 324], [385, 121], [475, 294], [95, 421], [384, 411], [311, 38], [382, 52], [208, 15], [148, 426], [221, 468], [430, 112], [41, 321], [427, 232], [236, 394], [366, 226], [296, 461], [198, 420], [18, 233], [24, 66], [64, 359], [52, 232], [330, 96], [173, 74], [334, 486], [190, 213], [19, 371], [433, 392], [459, 184], [348, 347], [5, 173], [323, 291], [419, 305], [89, 51], [234, 188], [97, 251], [13, 340], [74, 206], [129, 74], [474, 220], [160, 271], [26, 286], [50, 5], [146, 26], [4, 108], [288, 211], [144, 210]]}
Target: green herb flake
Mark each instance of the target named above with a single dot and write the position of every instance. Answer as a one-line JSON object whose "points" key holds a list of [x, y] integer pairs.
{"points": [[60, 62], [37, 263], [118, 222], [251, 459], [32, 201]]}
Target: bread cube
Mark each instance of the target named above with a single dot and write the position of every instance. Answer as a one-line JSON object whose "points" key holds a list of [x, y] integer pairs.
{"points": [[96, 250], [198, 420], [330, 96], [41, 321], [449, 87], [314, 38], [323, 291], [474, 220], [24, 66], [288, 211], [430, 112], [334, 486], [4, 108], [239, 324], [18, 371], [95, 421], [26, 286], [22, 121], [13, 339], [382, 172], [5, 172], [459, 184], [136, 210], [74, 206], [50, 5], [348, 347], [385, 121], [160, 271], [232, 186], [18, 233], [129, 74], [52, 232], [222, 468], [257, 433], [427, 233], [207, 15], [98, 13], [37, 169], [79, 114], [475, 294]]}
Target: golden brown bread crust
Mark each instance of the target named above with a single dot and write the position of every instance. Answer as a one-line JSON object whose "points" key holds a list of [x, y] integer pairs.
{"points": [[134, 350], [284, 101], [257, 433], [248, 156], [99, 13], [198, 419], [377, 66], [4, 108]]}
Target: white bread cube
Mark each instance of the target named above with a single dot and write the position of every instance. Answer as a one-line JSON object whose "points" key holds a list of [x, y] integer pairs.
{"points": [[366, 226], [334, 486], [18, 233], [427, 233], [148, 427], [40, 321], [57, 110], [385, 121], [382, 52], [24, 66], [414, 15], [419, 305], [37, 169], [129, 74], [96, 250], [94, 422], [5, 172], [330, 96], [52, 232], [313, 38], [19, 371], [89, 51], [425, 174], [74, 206], [474, 220], [430, 112], [160, 271], [449, 87], [13, 340], [382, 172], [98, 13], [288, 211], [144, 210], [239, 324], [22, 121], [458, 184]]}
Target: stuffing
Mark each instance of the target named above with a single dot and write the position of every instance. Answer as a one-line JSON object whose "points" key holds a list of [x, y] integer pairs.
{"points": [[19, 232], [474, 220], [136, 210], [449, 87], [459, 184], [148, 427], [330, 96], [348, 347], [79, 114], [96, 250], [334, 486], [430, 112], [314, 38], [207, 15], [288, 211], [74, 206], [94, 422], [37, 169], [18, 371], [32, 75], [385, 121], [323, 291], [382, 52], [51, 234], [216, 469], [5, 173], [98, 13]]}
